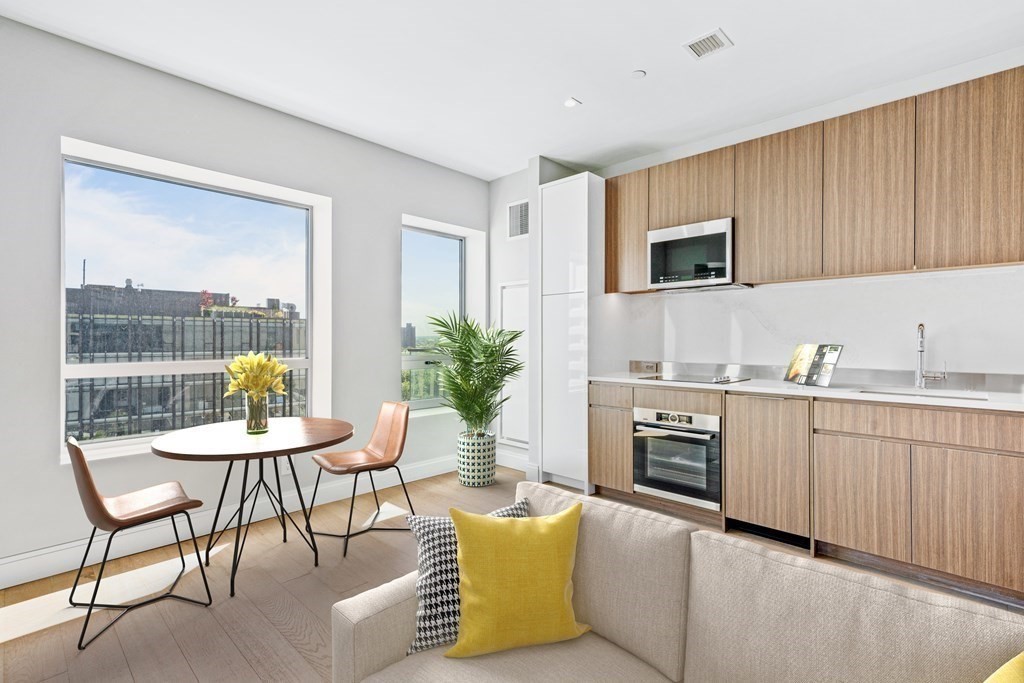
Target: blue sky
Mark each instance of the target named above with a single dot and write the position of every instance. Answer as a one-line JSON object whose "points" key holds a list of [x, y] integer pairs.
{"points": [[431, 274], [168, 236]]}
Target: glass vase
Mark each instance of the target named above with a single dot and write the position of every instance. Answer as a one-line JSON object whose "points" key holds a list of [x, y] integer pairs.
{"points": [[257, 414]]}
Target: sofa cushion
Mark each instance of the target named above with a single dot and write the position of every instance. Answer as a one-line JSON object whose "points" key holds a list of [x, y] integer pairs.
{"points": [[631, 574], [437, 619], [587, 658], [515, 581], [758, 614]]}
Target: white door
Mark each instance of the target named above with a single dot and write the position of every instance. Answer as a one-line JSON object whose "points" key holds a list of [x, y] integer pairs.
{"points": [[514, 422], [564, 387]]}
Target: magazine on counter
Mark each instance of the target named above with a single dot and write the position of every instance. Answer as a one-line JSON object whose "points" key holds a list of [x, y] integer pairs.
{"points": [[813, 364]]}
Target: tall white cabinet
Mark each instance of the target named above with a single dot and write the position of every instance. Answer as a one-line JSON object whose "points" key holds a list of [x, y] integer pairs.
{"points": [[571, 270]]}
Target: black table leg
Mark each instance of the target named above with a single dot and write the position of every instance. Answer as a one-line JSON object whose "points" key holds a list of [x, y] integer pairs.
{"points": [[280, 500], [305, 513], [216, 515], [238, 532]]}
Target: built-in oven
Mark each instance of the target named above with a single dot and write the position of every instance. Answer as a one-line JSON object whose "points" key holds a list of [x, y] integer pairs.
{"points": [[678, 456], [695, 255]]}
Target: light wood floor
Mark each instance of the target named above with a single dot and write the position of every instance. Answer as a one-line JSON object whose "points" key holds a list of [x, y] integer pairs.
{"points": [[276, 628]]}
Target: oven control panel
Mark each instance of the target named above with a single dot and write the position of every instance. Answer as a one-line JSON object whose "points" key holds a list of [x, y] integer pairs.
{"points": [[674, 418]]}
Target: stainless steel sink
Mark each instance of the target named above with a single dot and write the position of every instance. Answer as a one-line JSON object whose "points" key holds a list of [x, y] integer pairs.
{"points": [[927, 393]]}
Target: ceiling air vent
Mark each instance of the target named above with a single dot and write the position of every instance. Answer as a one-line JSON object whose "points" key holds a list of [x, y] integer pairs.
{"points": [[518, 219], [709, 44]]}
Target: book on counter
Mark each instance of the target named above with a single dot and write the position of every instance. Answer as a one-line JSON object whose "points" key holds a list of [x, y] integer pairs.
{"points": [[813, 364]]}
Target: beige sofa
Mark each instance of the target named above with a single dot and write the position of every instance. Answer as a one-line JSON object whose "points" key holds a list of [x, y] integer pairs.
{"points": [[669, 602]]}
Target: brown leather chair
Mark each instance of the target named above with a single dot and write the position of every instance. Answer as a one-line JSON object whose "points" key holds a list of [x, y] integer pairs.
{"points": [[382, 453], [123, 512]]}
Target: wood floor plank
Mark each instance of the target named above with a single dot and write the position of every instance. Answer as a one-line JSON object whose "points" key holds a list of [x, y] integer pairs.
{"points": [[317, 596], [268, 652], [210, 652], [308, 634], [59, 678], [103, 660], [150, 649], [34, 657]]}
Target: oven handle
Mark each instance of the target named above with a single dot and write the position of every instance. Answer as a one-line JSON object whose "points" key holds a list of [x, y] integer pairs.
{"points": [[640, 431]]}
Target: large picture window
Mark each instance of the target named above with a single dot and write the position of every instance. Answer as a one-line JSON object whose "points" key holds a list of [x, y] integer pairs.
{"points": [[167, 277], [433, 284]]}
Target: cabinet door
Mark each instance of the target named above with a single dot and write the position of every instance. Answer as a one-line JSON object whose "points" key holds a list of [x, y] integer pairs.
{"points": [[564, 386], [563, 230], [626, 233], [694, 189], [868, 203], [778, 206], [611, 448], [970, 172], [862, 495], [968, 514], [767, 465]]}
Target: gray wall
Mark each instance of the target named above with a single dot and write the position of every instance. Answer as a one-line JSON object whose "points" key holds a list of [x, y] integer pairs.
{"points": [[51, 87]]}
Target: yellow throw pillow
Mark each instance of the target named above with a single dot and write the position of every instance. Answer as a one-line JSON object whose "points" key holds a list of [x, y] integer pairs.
{"points": [[1011, 672], [515, 581]]}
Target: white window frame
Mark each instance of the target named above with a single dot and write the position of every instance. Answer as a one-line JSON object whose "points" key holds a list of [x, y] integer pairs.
{"points": [[318, 272], [474, 283]]}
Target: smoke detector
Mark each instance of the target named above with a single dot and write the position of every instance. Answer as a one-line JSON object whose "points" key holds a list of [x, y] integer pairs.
{"points": [[709, 44]]}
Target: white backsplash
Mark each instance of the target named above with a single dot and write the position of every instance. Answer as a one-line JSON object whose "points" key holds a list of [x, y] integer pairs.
{"points": [[974, 320]]}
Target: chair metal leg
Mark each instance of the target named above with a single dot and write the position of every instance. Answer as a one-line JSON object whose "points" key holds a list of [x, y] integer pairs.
{"points": [[82, 642], [199, 559], [74, 586], [374, 487], [351, 511], [405, 490]]}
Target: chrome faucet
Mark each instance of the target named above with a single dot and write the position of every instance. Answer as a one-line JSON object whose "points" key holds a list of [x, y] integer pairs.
{"points": [[921, 378]]}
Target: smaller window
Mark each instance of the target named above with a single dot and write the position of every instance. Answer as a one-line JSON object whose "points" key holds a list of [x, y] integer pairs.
{"points": [[433, 284]]}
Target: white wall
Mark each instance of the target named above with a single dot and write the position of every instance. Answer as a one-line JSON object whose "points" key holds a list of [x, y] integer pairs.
{"points": [[51, 87], [972, 318]]}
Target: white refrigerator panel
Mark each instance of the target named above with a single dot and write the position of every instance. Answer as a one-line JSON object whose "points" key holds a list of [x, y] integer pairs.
{"points": [[564, 387], [563, 229]]}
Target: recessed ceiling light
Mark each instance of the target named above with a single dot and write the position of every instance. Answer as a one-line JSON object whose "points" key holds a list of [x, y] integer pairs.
{"points": [[639, 74], [572, 102]]}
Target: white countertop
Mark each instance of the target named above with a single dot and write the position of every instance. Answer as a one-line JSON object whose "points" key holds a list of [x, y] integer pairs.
{"points": [[996, 400]]}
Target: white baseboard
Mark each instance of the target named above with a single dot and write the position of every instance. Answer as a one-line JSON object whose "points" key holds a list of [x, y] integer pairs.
{"points": [[514, 458], [43, 562]]}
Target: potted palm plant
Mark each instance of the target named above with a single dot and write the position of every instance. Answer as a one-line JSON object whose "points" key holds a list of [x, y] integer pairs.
{"points": [[480, 362]]}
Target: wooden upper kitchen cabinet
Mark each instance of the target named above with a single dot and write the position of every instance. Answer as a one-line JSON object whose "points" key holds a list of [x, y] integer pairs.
{"points": [[626, 233], [862, 495], [767, 462], [968, 514], [777, 234], [970, 172], [610, 438], [868, 191], [691, 190]]}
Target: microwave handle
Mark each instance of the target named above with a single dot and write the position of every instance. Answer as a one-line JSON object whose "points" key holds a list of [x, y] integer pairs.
{"points": [[673, 432]]}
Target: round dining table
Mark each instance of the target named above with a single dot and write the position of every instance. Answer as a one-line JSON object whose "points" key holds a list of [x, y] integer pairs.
{"points": [[229, 442]]}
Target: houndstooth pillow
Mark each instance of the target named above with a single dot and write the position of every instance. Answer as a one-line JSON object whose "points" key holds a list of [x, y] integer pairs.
{"points": [[437, 587]]}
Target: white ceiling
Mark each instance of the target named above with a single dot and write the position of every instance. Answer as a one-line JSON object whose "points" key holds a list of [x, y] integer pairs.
{"points": [[478, 85]]}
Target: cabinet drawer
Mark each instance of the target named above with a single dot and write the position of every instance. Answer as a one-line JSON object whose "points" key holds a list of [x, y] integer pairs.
{"points": [[612, 395], [972, 429], [678, 400]]}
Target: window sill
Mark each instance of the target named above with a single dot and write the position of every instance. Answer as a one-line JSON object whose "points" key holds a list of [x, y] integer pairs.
{"points": [[416, 413], [117, 449]]}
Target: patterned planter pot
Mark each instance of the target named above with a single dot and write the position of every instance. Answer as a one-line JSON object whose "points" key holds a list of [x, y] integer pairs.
{"points": [[476, 459]]}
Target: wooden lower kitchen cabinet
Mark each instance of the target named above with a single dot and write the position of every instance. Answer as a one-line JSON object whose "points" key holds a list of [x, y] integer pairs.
{"points": [[610, 436], [968, 514], [862, 495], [767, 462]]}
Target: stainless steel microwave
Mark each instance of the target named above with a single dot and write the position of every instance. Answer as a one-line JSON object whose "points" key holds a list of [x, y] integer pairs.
{"points": [[695, 255]]}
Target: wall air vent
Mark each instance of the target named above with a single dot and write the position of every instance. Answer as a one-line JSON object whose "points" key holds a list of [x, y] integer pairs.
{"points": [[709, 44], [518, 219]]}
